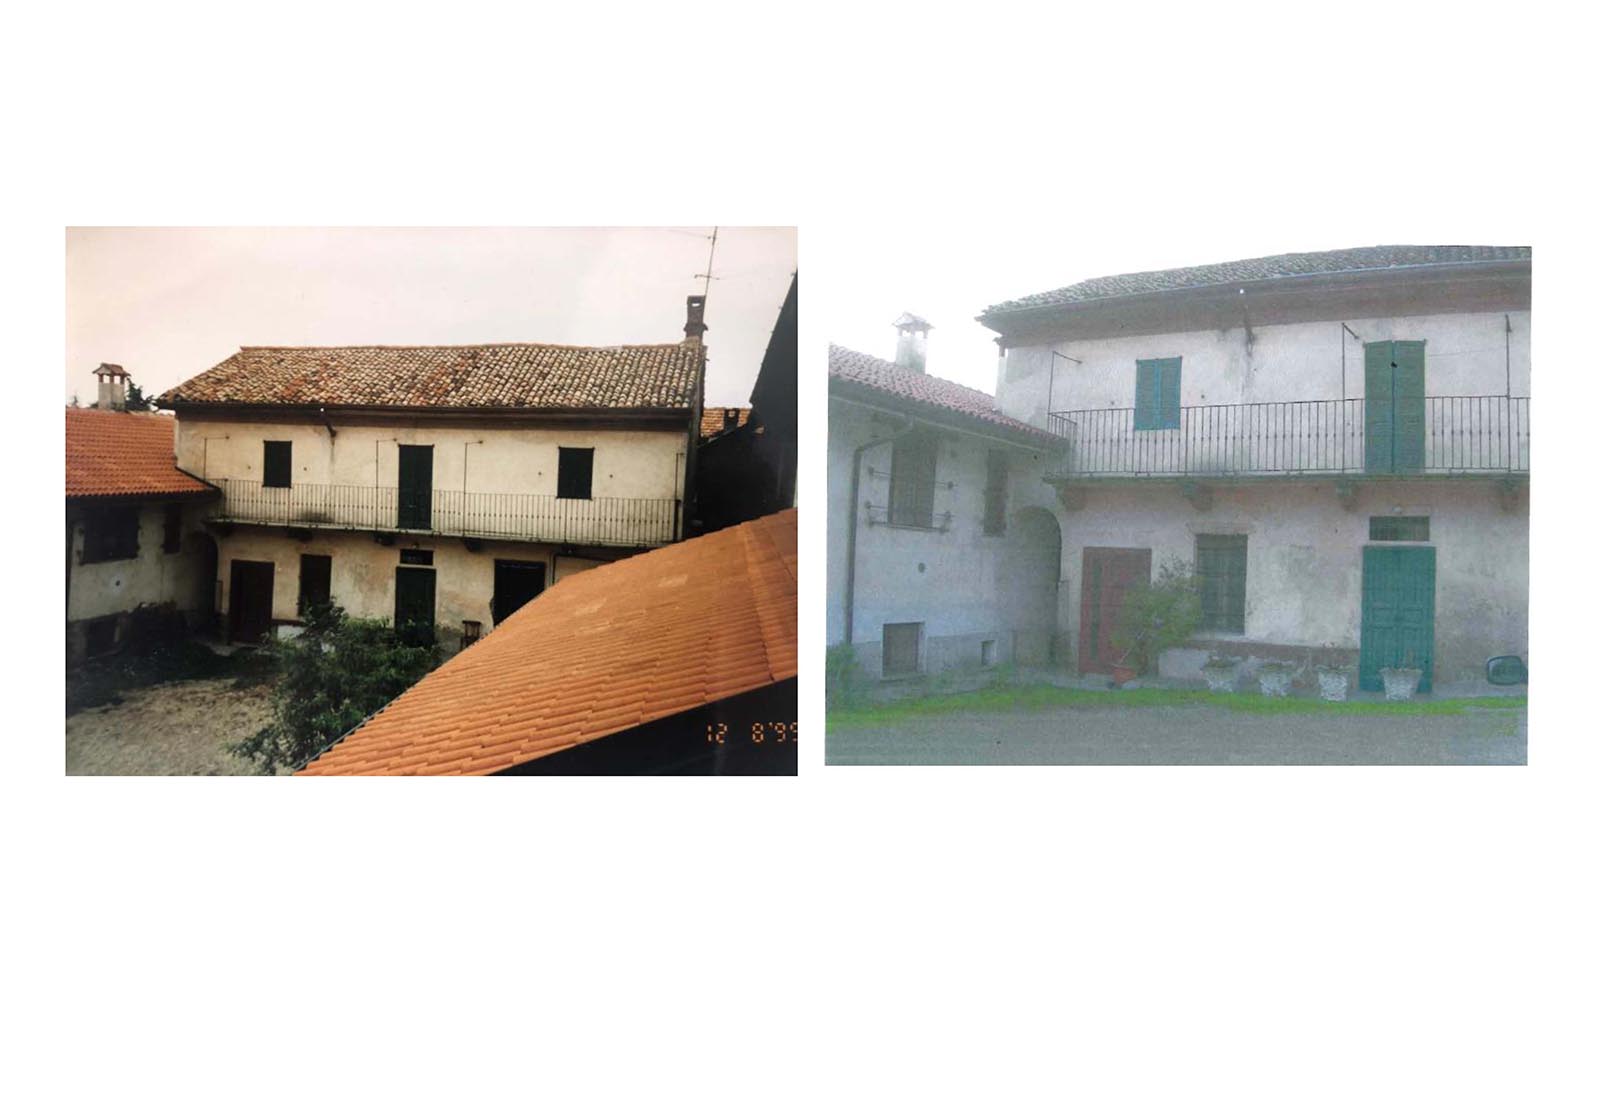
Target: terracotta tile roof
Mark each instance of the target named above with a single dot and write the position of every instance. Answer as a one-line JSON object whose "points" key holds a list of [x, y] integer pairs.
{"points": [[476, 376], [124, 454], [883, 376], [600, 652], [1263, 268], [714, 417]]}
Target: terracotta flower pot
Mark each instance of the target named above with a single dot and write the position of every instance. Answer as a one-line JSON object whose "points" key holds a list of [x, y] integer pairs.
{"points": [[1121, 674]]}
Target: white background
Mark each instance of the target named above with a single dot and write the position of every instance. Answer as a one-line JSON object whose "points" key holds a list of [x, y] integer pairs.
{"points": [[1100, 932]]}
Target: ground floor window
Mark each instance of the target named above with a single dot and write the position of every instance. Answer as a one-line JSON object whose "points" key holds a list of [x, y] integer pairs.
{"points": [[902, 649], [1219, 565]]}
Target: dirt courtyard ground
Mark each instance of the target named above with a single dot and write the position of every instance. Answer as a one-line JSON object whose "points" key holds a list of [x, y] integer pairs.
{"points": [[1184, 735], [178, 728]]}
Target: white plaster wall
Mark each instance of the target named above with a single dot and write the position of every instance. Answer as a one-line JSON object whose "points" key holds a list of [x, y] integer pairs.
{"points": [[955, 582], [154, 577], [627, 464], [362, 572], [1303, 567], [1466, 356]]}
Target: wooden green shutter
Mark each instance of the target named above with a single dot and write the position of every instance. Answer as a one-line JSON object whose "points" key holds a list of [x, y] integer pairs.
{"points": [[1146, 395], [1171, 376], [1410, 407], [1380, 407]]}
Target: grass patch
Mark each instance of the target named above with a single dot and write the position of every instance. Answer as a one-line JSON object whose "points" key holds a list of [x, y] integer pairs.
{"points": [[100, 683], [1049, 697]]}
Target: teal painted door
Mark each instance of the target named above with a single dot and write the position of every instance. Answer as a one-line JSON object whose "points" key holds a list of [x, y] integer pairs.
{"points": [[1396, 406], [1396, 612]]}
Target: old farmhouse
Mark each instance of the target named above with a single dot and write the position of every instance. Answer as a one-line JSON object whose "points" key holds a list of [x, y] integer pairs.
{"points": [[439, 487], [135, 523], [1337, 441]]}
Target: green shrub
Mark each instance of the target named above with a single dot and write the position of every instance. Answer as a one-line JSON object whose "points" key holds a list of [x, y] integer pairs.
{"points": [[330, 678], [843, 681], [1158, 616]]}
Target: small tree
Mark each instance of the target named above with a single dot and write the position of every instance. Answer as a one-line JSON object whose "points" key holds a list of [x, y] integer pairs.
{"points": [[1158, 616], [330, 678], [136, 400]]}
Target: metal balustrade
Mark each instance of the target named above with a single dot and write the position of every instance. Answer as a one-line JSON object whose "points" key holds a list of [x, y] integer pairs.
{"points": [[602, 521], [1456, 435]]}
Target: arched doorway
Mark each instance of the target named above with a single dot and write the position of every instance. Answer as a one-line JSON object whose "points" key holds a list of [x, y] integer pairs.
{"points": [[1031, 585]]}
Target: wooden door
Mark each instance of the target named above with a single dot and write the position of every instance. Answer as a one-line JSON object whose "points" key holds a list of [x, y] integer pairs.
{"points": [[249, 600], [1108, 574], [413, 601], [416, 488], [1396, 612]]}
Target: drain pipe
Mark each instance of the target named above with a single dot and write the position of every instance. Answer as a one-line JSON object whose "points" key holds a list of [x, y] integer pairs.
{"points": [[850, 532]]}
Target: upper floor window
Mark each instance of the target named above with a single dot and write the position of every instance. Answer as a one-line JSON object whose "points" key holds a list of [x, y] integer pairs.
{"points": [[276, 460], [1155, 393], [912, 466], [575, 473], [111, 534], [994, 495], [172, 529]]}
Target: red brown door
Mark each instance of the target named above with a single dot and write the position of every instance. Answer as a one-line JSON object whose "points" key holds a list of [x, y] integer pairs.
{"points": [[1107, 576]]}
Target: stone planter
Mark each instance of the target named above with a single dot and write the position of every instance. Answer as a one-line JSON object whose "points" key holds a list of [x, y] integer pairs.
{"points": [[1400, 684], [1221, 678], [1275, 679], [1333, 684]]}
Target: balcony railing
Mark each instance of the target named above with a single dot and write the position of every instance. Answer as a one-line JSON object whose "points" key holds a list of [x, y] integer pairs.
{"points": [[1431, 435], [603, 521]]}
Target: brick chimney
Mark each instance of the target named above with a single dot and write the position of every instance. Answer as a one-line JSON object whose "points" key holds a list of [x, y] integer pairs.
{"points": [[113, 387], [695, 328], [912, 349]]}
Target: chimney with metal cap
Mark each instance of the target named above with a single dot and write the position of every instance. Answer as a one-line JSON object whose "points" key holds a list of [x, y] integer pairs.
{"points": [[695, 328], [912, 350]]}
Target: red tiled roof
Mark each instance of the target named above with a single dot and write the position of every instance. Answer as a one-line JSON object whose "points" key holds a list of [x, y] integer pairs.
{"points": [[124, 454], [478, 376], [600, 652], [924, 389], [712, 418]]}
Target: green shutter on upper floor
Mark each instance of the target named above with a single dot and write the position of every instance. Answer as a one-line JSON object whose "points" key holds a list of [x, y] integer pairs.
{"points": [[1157, 393]]}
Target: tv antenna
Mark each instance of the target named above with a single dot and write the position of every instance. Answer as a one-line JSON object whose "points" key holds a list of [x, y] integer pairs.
{"points": [[708, 277]]}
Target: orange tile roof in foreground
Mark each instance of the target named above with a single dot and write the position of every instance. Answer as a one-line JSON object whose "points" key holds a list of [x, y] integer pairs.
{"points": [[123, 454], [600, 652]]}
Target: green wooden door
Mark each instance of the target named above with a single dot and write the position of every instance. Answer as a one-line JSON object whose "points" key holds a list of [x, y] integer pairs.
{"points": [[1396, 612], [414, 602], [1396, 406], [416, 488]]}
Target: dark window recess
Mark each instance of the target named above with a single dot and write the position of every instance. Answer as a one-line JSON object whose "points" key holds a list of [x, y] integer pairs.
{"points": [[1219, 562], [172, 529], [902, 648], [316, 581], [1397, 529], [111, 534], [416, 557], [276, 459], [912, 467], [413, 604], [575, 474], [100, 636], [994, 495]]}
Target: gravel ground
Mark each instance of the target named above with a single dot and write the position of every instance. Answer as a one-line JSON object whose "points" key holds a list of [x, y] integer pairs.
{"points": [[1186, 735], [178, 728]]}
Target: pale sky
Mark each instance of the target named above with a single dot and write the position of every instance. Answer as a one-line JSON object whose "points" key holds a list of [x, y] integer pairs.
{"points": [[169, 303], [949, 277]]}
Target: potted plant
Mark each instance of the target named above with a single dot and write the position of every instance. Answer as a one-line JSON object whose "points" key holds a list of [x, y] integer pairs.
{"points": [[1276, 677], [1154, 618], [1221, 672], [1333, 677], [1400, 681]]}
